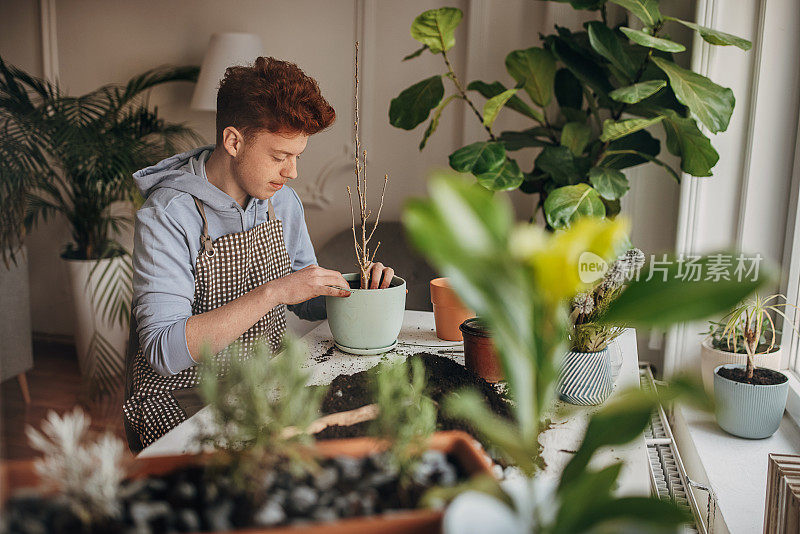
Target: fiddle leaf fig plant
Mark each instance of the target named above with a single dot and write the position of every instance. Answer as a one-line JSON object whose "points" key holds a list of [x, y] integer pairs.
{"points": [[593, 96]]}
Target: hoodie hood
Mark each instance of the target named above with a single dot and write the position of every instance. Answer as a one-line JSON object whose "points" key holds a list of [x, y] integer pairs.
{"points": [[176, 173]]}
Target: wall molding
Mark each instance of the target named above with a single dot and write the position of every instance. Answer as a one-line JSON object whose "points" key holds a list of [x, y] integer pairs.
{"points": [[47, 12], [314, 194]]}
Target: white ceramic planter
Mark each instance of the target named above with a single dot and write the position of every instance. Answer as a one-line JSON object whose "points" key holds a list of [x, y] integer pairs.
{"points": [[369, 320], [750, 411], [107, 371], [711, 358]]}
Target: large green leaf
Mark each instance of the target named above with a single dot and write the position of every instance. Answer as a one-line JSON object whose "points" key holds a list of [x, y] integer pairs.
{"points": [[435, 119], [567, 204], [711, 103], [640, 142], [516, 103], [715, 37], [611, 184], [616, 129], [493, 106], [645, 39], [575, 136], [670, 293], [478, 158], [536, 136], [562, 165], [536, 68], [581, 65], [606, 43], [569, 92], [645, 10], [413, 105], [685, 139], [637, 92], [436, 28], [504, 178]]}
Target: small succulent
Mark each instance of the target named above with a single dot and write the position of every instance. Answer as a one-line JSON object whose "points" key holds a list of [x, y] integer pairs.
{"points": [[587, 335], [86, 472]]}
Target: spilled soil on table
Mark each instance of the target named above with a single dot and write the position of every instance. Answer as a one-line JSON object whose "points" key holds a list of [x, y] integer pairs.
{"points": [[443, 376]]}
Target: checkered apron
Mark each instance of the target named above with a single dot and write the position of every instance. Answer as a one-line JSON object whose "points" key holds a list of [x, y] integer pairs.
{"points": [[225, 269]]}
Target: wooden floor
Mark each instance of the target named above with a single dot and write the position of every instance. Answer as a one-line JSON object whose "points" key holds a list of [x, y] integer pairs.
{"points": [[55, 384]]}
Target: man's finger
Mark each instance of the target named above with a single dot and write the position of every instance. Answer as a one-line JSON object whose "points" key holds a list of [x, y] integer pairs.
{"points": [[388, 275], [375, 275], [334, 291]]}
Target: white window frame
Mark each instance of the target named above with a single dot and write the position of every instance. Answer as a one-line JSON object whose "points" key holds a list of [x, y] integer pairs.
{"points": [[790, 340]]}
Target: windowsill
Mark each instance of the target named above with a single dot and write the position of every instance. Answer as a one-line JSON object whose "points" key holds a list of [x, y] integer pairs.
{"points": [[735, 468]]}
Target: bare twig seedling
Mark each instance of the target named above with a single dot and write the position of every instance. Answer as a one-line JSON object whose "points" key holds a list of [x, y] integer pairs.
{"points": [[364, 257]]}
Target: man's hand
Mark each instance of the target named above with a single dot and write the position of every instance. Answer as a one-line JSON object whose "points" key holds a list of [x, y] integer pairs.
{"points": [[307, 284], [380, 276]]}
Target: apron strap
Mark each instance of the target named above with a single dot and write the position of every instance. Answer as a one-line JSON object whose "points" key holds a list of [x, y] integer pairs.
{"points": [[270, 210], [205, 239]]}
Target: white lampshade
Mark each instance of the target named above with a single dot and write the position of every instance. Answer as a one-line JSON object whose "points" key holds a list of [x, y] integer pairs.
{"points": [[224, 50]]}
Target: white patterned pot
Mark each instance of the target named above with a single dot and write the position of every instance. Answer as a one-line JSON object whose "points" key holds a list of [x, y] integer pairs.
{"points": [[711, 358], [751, 411], [585, 378]]}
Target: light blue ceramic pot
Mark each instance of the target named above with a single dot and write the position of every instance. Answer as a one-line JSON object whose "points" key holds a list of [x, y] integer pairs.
{"points": [[369, 320], [585, 378], [748, 410]]}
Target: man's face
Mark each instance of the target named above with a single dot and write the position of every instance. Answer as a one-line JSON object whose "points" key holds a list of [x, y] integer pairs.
{"points": [[267, 161]]}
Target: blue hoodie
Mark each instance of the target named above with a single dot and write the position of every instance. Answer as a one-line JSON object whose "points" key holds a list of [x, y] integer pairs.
{"points": [[167, 241]]}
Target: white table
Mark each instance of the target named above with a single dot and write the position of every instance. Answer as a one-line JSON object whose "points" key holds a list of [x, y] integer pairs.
{"points": [[418, 335]]}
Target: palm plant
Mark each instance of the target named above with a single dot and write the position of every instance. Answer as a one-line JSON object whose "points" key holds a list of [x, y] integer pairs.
{"points": [[74, 156]]}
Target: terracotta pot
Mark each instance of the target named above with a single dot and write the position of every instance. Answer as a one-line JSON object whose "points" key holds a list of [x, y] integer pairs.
{"points": [[20, 474], [480, 356], [448, 310]]}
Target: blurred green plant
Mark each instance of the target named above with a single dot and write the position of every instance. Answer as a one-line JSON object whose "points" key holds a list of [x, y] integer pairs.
{"points": [[520, 279], [611, 84], [261, 408], [406, 416]]}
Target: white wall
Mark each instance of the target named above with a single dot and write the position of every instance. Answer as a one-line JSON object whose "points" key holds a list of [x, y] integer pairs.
{"points": [[101, 41]]}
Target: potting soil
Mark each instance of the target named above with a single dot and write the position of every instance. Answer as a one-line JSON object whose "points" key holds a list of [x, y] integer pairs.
{"points": [[443, 376]]}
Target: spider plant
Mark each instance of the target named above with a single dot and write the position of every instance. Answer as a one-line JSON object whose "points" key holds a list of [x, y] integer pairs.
{"points": [[751, 320]]}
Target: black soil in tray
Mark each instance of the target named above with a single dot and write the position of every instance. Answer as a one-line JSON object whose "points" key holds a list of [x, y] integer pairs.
{"points": [[761, 376], [443, 375], [195, 499]]}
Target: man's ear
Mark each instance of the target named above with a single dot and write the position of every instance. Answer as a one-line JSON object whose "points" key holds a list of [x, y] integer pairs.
{"points": [[232, 140]]}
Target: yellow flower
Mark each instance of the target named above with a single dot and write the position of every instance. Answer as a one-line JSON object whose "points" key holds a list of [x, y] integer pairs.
{"points": [[555, 259]]}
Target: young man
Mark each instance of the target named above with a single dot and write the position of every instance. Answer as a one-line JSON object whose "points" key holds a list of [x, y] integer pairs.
{"points": [[221, 246]]}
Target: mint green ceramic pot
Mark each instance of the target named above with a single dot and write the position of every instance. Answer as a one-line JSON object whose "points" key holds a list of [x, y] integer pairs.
{"points": [[751, 411], [369, 320]]}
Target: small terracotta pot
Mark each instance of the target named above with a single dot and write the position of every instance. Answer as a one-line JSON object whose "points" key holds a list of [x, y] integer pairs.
{"points": [[448, 310], [480, 356], [19, 474]]}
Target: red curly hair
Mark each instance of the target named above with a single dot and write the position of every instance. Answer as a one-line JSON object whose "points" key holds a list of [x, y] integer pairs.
{"points": [[271, 95]]}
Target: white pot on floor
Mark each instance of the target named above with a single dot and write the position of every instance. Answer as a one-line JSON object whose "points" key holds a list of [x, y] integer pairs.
{"points": [[100, 344]]}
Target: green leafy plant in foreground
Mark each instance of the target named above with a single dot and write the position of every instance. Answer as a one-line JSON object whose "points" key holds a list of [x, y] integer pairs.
{"points": [[520, 279], [611, 85], [261, 408], [406, 417]]}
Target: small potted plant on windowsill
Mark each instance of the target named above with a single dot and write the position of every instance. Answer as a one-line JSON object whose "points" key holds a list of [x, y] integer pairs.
{"points": [[586, 374], [750, 400], [721, 347]]}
